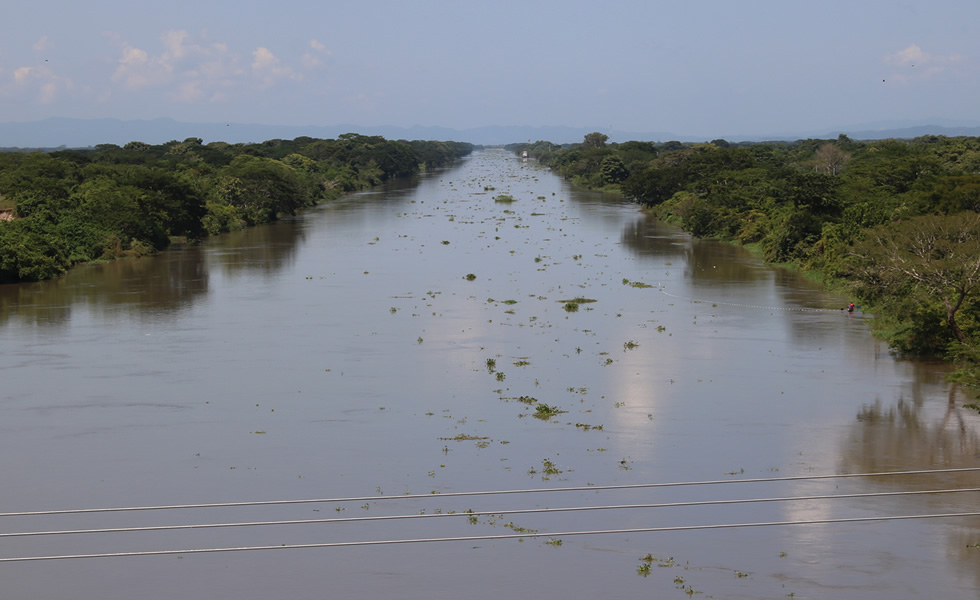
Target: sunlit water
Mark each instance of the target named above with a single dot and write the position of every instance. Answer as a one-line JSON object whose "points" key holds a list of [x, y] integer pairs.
{"points": [[344, 353]]}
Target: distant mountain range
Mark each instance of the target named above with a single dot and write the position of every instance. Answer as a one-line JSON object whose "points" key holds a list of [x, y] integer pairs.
{"points": [[80, 133]]}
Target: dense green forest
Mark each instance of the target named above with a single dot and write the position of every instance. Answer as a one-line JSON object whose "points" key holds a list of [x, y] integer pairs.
{"points": [[74, 206], [894, 223]]}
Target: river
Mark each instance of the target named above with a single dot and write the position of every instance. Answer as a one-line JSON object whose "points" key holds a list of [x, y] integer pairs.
{"points": [[414, 341]]}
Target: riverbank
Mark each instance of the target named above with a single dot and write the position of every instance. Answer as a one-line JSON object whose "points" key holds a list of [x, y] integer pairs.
{"points": [[827, 208], [76, 206]]}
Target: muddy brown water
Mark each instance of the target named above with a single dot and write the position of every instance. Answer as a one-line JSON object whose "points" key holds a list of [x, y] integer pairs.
{"points": [[344, 353]]}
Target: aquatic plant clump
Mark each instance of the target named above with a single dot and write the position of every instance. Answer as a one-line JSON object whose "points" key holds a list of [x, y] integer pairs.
{"points": [[545, 411]]}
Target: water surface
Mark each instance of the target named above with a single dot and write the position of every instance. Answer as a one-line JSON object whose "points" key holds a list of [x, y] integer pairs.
{"points": [[344, 353]]}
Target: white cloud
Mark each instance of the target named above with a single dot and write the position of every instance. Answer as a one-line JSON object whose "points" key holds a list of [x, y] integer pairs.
{"points": [[21, 74], [908, 56], [186, 65], [174, 42], [42, 44], [48, 92], [36, 80], [190, 68], [269, 69], [188, 91], [311, 58], [264, 60], [138, 69], [912, 64], [914, 56]]}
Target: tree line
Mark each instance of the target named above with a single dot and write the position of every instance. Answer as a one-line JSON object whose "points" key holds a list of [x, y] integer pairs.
{"points": [[73, 206], [895, 223]]}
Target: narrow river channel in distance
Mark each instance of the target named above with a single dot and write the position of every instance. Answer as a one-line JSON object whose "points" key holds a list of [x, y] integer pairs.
{"points": [[418, 340]]}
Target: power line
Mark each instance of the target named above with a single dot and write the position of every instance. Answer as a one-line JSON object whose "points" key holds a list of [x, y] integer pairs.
{"points": [[484, 513], [487, 537], [484, 493]]}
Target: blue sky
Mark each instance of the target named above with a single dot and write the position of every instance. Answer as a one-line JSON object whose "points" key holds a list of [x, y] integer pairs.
{"points": [[709, 68]]}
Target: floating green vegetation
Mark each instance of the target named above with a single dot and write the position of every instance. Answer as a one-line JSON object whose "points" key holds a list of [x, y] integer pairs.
{"points": [[491, 365], [527, 399], [469, 277], [661, 328], [545, 411], [548, 467], [586, 426], [504, 198], [643, 570], [393, 310], [500, 376], [521, 363], [510, 301], [445, 242], [640, 284], [571, 306], [579, 300], [554, 542], [462, 437], [630, 345], [519, 529]]}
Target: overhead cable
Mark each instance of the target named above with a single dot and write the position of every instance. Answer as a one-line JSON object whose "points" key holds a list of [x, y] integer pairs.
{"points": [[486, 537], [471, 513], [485, 492]]}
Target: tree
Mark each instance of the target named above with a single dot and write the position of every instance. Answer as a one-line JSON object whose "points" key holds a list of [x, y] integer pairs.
{"points": [[613, 170], [595, 139], [262, 188], [928, 259], [653, 186], [831, 159]]}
